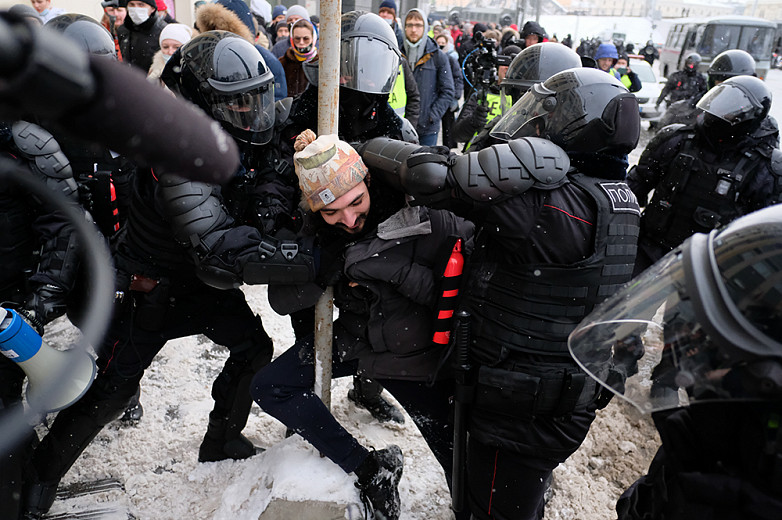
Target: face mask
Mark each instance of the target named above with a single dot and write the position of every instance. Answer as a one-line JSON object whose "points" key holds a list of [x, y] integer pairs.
{"points": [[44, 12], [139, 15], [442, 46], [167, 57], [390, 21]]}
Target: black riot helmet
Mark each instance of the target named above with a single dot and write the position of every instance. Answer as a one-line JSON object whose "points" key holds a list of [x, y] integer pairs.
{"points": [[87, 32], [733, 62], [691, 62], [369, 53], [580, 109], [227, 77], [733, 109], [534, 64], [702, 324], [505, 20]]}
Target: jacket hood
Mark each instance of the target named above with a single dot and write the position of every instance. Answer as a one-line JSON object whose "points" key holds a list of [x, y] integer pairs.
{"points": [[216, 17], [423, 15]]}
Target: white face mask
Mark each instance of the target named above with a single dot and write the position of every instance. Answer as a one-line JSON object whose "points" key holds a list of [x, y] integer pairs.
{"points": [[166, 57], [139, 15], [389, 20]]}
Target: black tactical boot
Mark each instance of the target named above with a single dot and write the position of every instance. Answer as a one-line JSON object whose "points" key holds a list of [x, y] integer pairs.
{"points": [[366, 394], [217, 446], [378, 480], [134, 411], [39, 497]]}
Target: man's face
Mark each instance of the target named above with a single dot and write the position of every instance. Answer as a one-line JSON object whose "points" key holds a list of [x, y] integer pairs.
{"points": [[121, 13], [302, 37], [278, 18], [621, 63], [137, 3], [292, 19], [41, 5], [282, 31], [386, 15], [414, 29], [531, 39], [605, 63], [350, 211]]}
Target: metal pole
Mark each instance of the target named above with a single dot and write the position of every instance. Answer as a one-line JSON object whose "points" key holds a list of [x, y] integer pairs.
{"points": [[328, 123]]}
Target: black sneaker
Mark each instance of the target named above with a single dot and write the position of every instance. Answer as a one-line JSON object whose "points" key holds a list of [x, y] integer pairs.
{"points": [[380, 409], [38, 498], [378, 482]]}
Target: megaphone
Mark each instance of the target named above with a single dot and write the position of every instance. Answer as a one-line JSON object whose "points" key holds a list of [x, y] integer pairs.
{"points": [[55, 379]]}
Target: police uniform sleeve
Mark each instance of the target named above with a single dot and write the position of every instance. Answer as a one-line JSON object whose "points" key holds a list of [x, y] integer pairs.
{"points": [[491, 175], [227, 254]]}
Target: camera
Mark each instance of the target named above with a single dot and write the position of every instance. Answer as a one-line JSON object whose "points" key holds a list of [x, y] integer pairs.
{"points": [[480, 66]]}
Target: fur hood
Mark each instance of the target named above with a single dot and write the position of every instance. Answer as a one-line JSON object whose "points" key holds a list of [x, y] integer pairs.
{"points": [[215, 17], [158, 64]]}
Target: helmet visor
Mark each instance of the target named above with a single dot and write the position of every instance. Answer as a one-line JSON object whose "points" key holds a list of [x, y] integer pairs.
{"points": [[527, 117], [369, 65], [729, 103], [662, 342], [251, 111]]}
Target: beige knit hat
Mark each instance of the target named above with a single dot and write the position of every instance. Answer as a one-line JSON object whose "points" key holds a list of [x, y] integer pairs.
{"points": [[327, 168]]}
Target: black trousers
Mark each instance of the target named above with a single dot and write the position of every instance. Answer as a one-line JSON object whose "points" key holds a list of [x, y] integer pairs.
{"points": [[139, 331], [283, 389]]}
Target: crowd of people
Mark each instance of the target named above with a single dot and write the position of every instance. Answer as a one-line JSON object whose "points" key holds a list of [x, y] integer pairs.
{"points": [[525, 232]]}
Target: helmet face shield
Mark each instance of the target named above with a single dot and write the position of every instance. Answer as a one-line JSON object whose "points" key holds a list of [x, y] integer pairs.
{"points": [[702, 324], [247, 115], [730, 103], [369, 64]]}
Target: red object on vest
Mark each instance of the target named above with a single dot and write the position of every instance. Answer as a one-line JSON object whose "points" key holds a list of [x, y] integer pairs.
{"points": [[450, 290]]}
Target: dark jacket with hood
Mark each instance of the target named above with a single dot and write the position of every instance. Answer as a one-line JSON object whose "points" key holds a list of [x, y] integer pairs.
{"points": [[386, 321], [294, 73], [234, 16], [139, 43], [432, 73]]}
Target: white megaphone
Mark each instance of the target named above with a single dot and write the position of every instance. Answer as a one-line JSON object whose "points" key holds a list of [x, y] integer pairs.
{"points": [[48, 388]]}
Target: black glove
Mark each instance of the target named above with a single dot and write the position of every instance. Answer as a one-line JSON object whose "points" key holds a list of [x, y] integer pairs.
{"points": [[479, 116], [47, 302], [273, 215]]}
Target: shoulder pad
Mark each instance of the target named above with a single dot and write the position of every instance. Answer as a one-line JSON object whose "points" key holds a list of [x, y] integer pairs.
{"points": [[508, 169], [665, 133], [776, 162], [282, 109]]}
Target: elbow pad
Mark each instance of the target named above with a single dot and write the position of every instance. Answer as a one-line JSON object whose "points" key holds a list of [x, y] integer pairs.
{"points": [[45, 157], [407, 166], [505, 170], [193, 209]]}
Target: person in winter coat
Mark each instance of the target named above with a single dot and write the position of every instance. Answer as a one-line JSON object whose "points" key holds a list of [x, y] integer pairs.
{"points": [[606, 57], [445, 43], [296, 12], [139, 35], [387, 12], [626, 75], [532, 33], [432, 71], [172, 37], [386, 289], [234, 16], [304, 39]]}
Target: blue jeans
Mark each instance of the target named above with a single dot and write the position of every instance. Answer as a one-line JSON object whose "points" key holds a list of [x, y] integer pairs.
{"points": [[428, 139]]}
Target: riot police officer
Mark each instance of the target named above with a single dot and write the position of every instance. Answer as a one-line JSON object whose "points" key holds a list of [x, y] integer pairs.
{"points": [[533, 65], [727, 64], [684, 83], [704, 176], [706, 351], [180, 259], [559, 174]]}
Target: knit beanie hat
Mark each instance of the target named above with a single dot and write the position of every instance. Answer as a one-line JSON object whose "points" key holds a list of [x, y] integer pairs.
{"points": [[327, 168], [175, 31], [153, 3], [388, 4], [297, 10], [277, 10]]}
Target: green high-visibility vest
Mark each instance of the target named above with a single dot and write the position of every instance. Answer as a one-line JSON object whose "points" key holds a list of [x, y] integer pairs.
{"points": [[494, 102], [625, 79], [398, 96]]}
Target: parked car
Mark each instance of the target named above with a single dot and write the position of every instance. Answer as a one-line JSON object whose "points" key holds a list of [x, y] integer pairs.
{"points": [[650, 90]]}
